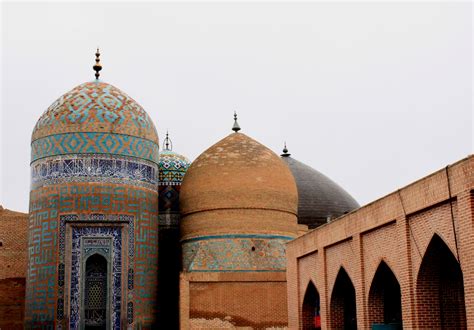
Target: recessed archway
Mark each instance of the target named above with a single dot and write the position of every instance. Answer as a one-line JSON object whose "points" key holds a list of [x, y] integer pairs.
{"points": [[343, 303], [384, 305], [440, 289], [311, 316], [95, 293]]}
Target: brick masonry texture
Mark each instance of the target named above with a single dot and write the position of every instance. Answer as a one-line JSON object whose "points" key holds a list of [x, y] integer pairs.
{"points": [[415, 232], [256, 300], [238, 204], [95, 107], [13, 256]]}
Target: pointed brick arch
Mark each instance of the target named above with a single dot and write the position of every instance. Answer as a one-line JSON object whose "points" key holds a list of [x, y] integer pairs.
{"points": [[384, 303], [440, 289], [343, 303], [311, 311]]}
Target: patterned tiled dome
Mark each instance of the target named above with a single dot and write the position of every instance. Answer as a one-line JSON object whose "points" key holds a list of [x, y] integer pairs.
{"points": [[98, 107], [95, 118], [172, 167]]}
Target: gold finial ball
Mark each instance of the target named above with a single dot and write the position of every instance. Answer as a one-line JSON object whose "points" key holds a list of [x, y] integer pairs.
{"points": [[97, 66]]}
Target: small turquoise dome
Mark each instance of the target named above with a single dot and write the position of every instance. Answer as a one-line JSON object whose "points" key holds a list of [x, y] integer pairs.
{"points": [[172, 167], [171, 170]]}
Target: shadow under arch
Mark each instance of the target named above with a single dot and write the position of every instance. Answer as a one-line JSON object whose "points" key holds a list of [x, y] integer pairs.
{"points": [[343, 303], [95, 293], [385, 303], [440, 289], [311, 316]]}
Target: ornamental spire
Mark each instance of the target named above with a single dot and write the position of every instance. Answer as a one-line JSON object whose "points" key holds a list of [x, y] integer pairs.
{"points": [[97, 66], [167, 144], [236, 126], [285, 151]]}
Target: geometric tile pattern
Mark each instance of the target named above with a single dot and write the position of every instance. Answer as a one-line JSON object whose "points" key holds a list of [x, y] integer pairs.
{"points": [[94, 157], [172, 168], [79, 248], [235, 253], [95, 107], [94, 143], [45, 275], [77, 273], [94, 168]]}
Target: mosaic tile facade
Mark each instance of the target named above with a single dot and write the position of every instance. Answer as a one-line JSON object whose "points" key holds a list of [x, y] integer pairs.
{"points": [[235, 253], [112, 251], [76, 273], [94, 143], [46, 273], [94, 179], [94, 168], [95, 107]]}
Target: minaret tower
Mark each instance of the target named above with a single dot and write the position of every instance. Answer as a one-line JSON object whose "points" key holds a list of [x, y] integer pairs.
{"points": [[172, 168]]}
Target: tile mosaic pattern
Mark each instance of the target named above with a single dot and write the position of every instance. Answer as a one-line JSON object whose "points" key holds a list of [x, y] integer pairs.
{"points": [[94, 168], [172, 168], [95, 107], [241, 253], [76, 273], [94, 143], [45, 276], [95, 157], [78, 249]]}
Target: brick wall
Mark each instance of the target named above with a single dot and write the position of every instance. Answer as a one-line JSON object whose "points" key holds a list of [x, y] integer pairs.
{"points": [[13, 260], [255, 300], [395, 230]]}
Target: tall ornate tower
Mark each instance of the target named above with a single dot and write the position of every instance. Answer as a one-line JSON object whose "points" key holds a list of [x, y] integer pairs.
{"points": [[93, 228], [172, 168]]}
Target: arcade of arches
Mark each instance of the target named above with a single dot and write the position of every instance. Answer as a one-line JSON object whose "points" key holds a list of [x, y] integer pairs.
{"points": [[403, 261]]}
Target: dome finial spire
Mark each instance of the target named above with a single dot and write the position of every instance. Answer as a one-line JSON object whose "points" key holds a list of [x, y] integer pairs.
{"points": [[236, 126], [97, 66], [285, 151], [167, 144]]}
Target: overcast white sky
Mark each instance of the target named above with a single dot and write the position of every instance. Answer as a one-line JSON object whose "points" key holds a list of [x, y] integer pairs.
{"points": [[374, 95]]}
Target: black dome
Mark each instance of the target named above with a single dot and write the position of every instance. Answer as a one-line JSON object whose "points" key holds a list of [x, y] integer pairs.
{"points": [[318, 196]]}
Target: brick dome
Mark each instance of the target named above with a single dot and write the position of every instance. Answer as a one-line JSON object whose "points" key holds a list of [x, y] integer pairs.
{"points": [[238, 203], [238, 173], [319, 198], [96, 107]]}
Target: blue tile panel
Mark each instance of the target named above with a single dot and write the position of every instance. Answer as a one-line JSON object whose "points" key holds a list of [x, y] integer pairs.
{"points": [[94, 143], [94, 168], [77, 250], [235, 253], [95, 232]]}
